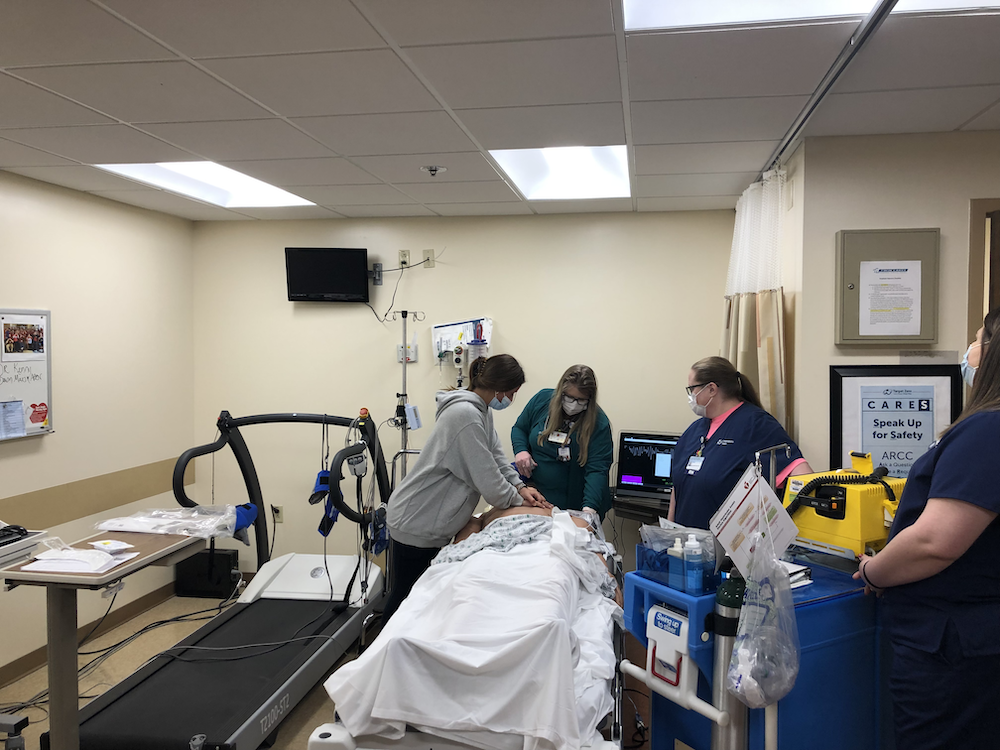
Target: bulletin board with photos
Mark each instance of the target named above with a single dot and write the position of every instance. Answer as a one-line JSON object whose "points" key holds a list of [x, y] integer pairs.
{"points": [[25, 370]]}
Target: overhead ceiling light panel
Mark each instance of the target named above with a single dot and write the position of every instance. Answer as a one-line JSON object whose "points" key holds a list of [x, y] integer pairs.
{"points": [[208, 182], [567, 173], [656, 14], [918, 6]]}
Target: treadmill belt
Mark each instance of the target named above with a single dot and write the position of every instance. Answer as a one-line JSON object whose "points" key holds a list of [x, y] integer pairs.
{"points": [[216, 694]]}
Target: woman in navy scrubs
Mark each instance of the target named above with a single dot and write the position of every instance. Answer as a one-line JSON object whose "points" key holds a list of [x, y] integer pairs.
{"points": [[715, 450], [941, 582]]}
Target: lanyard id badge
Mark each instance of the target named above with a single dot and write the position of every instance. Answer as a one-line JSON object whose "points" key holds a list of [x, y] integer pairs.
{"points": [[564, 453], [694, 464], [559, 437]]}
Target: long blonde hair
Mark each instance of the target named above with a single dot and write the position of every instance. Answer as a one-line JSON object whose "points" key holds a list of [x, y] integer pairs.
{"points": [[583, 378]]}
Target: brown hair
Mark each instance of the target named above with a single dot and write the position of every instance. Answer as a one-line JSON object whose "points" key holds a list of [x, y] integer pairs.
{"points": [[991, 327], [499, 373], [583, 378], [986, 385], [730, 381]]}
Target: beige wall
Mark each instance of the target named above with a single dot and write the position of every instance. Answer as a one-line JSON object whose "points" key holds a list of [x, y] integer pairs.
{"points": [[118, 282], [882, 182], [636, 296]]}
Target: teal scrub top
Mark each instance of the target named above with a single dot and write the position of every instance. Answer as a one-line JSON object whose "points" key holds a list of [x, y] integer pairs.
{"points": [[566, 484]]}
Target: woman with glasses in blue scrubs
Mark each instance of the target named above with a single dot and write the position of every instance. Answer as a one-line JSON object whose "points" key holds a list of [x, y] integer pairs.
{"points": [[562, 444], [940, 582], [716, 449]]}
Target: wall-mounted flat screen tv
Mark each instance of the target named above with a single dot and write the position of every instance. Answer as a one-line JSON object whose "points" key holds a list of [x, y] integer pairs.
{"points": [[327, 274]]}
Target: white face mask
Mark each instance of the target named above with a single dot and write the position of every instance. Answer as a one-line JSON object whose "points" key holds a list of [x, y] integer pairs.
{"points": [[572, 407], [501, 404], [699, 409], [968, 371]]}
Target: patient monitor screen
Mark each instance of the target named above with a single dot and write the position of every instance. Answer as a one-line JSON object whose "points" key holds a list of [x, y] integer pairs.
{"points": [[644, 461]]}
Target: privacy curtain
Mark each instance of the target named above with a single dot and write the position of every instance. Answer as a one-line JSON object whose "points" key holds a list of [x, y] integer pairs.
{"points": [[753, 336]]}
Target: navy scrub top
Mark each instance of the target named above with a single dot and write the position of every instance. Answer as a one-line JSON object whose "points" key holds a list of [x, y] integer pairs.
{"points": [[727, 454], [964, 465]]}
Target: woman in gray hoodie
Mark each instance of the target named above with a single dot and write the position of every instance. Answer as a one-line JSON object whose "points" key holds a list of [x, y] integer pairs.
{"points": [[461, 462]]}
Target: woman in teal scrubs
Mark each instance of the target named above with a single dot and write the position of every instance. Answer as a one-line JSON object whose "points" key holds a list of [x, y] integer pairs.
{"points": [[562, 444]]}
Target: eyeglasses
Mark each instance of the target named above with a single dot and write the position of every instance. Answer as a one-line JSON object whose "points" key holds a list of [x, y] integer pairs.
{"points": [[690, 388], [578, 401]]}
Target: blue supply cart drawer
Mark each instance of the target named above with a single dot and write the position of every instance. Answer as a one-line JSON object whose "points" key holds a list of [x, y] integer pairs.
{"points": [[836, 703]]}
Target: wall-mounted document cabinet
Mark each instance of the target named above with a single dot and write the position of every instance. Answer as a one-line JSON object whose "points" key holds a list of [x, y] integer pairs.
{"points": [[887, 287]]}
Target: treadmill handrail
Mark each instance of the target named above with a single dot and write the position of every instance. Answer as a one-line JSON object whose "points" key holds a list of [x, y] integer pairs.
{"points": [[230, 435]]}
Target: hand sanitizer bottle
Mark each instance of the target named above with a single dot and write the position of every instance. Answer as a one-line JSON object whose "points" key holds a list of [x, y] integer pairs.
{"points": [[675, 569], [694, 567]]}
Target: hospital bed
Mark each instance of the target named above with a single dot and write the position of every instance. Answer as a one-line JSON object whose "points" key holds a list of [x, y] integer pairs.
{"points": [[310, 608], [505, 643]]}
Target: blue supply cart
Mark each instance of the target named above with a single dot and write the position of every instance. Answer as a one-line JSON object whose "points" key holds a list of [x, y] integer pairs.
{"points": [[838, 699]]}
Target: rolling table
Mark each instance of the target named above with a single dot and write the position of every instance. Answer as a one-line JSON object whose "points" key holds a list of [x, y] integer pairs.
{"points": [[61, 615]]}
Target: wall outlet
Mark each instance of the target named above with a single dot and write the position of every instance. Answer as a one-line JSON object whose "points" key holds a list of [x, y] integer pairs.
{"points": [[404, 258], [428, 259], [278, 513]]}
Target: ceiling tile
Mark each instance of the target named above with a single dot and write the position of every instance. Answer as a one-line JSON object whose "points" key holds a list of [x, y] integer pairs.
{"points": [[351, 195], [285, 213], [709, 120], [707, 203], [251, 27], [173, 91], [455, 21], [412, 209], [538, 127], [687, 158], [914, 111], [27, 106], [460, 192], [34, 32], [772, 61], [240, 140], [86, 179], [329, 171], [329, 83], [99, 144], [168, 203], [15, 155], [925, 52], [460, 167], [988, 120], [601, 205], [511, 74], [400, 133], [675, 185], [480, 209]]}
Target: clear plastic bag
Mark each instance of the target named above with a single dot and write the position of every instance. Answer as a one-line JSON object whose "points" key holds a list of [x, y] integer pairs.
{"points": [[201, 521], [765, 659]]}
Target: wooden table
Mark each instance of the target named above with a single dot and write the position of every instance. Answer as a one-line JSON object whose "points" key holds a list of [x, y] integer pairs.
{"points": [[61, 616]]}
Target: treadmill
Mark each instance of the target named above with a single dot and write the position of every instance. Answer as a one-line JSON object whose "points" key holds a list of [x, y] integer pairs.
{"points": [[309, 608]]}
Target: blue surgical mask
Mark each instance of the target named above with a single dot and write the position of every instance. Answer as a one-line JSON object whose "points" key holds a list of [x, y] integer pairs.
{"points": [[499, 405], [968, 371]]}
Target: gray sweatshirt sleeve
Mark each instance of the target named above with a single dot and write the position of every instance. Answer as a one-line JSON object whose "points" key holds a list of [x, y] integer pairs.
{"points": [[473, 460]]}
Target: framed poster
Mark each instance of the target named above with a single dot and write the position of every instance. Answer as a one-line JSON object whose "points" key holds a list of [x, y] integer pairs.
{"points": [[893, 412], [25, 369]]}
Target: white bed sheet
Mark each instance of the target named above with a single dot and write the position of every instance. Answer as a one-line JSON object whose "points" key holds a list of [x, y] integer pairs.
{"points": [[502, 643]]}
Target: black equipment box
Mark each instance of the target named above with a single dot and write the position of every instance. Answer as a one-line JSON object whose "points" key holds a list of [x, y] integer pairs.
{"points": [[210, 574]]}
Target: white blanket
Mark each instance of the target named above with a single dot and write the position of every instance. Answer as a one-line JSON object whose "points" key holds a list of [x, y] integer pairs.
{"points": [[515, 642]]}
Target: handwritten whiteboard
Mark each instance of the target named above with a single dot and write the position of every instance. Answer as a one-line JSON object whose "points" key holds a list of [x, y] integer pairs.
{"points": [[25, 366]]}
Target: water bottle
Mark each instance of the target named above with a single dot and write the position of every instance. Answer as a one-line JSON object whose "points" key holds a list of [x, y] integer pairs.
{"points": [[694, 567], [675, 567]]}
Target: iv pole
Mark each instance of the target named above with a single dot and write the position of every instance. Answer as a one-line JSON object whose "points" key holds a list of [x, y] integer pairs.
{"points": [[401, 421]]}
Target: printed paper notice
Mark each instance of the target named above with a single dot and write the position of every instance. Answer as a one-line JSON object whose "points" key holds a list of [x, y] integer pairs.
{"points": [[734, 524], [12, 419], [889, 298]]}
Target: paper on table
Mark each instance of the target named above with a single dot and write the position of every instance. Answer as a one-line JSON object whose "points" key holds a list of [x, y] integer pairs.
{"points": [[736, 520], [77, 561]]}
